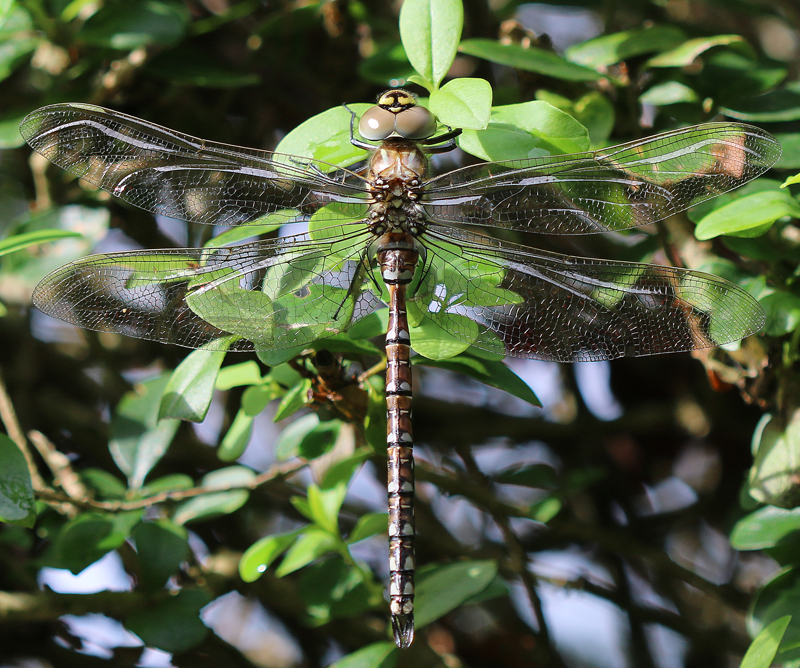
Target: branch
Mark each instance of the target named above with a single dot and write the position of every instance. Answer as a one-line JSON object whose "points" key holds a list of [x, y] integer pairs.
{"points": [[275, 472], [9, 418], [608, 537], [16, 607]]}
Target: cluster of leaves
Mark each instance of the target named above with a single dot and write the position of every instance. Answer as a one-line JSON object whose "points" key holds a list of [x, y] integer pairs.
{"points": [[683, 79]]}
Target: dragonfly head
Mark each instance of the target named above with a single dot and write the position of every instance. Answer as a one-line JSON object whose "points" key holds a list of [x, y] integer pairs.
{"points": [[397, 114]]}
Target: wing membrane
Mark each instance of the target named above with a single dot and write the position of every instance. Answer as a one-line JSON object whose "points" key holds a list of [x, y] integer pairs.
{"points": [[269, 295], [180, 176], [611, 189], [543, 305]]}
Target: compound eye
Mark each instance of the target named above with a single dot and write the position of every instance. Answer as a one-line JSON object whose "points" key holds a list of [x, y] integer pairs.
{"points": [[376, 124], [416, 123]]}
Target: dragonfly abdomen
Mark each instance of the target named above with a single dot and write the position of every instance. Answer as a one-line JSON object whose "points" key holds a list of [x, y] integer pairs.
{"points": [[398, 260]]}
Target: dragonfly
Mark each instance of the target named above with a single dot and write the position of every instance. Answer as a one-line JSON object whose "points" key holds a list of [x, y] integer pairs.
{"points": [[390, 233]]}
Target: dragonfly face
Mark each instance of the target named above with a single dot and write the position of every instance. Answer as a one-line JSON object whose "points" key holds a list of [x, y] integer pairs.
{"points": [[421, 232]]}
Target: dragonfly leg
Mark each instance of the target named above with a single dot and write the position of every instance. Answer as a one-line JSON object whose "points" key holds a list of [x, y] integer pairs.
{"points": [[356, 142]]}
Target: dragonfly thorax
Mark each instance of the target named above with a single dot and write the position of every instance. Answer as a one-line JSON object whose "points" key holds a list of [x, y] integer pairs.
{"points": [[395, 179]]}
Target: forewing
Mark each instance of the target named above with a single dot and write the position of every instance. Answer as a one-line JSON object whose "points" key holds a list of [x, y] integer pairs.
{"points": [[508, 299], [267, 295], [179, 176], [611, 189]]}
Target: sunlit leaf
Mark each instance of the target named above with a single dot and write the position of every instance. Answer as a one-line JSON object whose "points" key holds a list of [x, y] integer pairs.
{"points": [[430, 31], [190, 389], [442, 589], [258, 557], [531, 59], [765, 645]]}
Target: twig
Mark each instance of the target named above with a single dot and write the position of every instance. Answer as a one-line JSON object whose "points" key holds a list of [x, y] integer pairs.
{"points": [[9, 418], [64, 475], [276, 472]]}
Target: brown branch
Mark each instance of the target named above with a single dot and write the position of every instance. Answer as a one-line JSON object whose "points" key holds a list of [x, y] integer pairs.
{"points": [[518, 560], [607, 537], [275, 472], [64, 475], [16, 607], [14, 431]]}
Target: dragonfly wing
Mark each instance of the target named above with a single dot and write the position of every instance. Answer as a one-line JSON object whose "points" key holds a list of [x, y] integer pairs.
{"points": [[266, 295], [514, 301], [179, 176], [610, 189]]}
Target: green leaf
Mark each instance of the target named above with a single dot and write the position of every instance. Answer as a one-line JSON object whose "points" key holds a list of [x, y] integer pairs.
{"points": [[293, 400], [790, 181], [776, 106], [106, 485], [256, 398], [342, 471], [9, 128], [213, 503], [435, 343], [17, 40], [531, 59], [375, 423], [377, 655], [258, 557], [545, 510], [463, 103], [87, 538], [189, 65], [324, 506], [430, 31], [594, 111], [537, 476], [489, 372], [263, 225], [236, 438], [442, 589], [790, 150], [778, 598], [190, 389], [319, 439], [17, 503], [375, 324], [174, 625], [236, 375], [162, 546], [783, 312], [747, 213], [685, 54], [332, 588], [527, 130], [776, 461], [765, 645], [288, 443], [368, 525], [606, 50], [312, 544], [325, 136], [138, 439], [19, 241], [130, 25], [669, 92], [765, 527], [167, 483]]}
